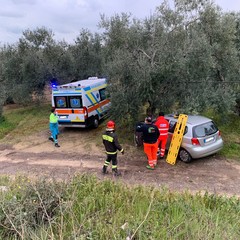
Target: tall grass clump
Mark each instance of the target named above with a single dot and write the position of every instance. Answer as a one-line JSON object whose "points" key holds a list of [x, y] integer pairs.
{"points": [[87, 208]]}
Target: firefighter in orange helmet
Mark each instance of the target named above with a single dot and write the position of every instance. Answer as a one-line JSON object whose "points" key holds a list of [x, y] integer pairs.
{"points": [[163, 126], [111, 144]]}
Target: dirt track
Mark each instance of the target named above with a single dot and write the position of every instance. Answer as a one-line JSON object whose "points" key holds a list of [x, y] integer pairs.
{"points": [[36, 156]]}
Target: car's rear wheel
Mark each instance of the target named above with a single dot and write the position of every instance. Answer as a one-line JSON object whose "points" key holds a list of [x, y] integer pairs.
{"points": [[138, 139], [184, 156], [95, 122]]}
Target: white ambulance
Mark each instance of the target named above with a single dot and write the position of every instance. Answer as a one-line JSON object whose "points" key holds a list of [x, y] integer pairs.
{"points": [[82, 103]]}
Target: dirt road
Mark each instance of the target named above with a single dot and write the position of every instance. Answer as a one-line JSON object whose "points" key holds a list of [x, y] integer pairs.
{"points": [[36, 156]]}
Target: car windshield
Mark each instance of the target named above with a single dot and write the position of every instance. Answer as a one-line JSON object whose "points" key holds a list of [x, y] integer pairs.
{"points": [[205, 129]]}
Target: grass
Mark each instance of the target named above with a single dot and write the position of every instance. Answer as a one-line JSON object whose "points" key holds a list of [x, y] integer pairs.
{"points": [[231, 135], [23, 121], [86, 208], [229, 127]]}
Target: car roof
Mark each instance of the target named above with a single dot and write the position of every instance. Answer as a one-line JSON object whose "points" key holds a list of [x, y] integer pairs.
{"points": [[192, 119]]}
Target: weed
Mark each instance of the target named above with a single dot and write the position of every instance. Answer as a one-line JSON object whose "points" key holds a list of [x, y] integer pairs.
{"points": [[86, 208]]}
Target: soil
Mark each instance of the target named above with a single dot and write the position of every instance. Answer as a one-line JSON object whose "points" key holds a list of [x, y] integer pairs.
{"points": [[36, 156]]}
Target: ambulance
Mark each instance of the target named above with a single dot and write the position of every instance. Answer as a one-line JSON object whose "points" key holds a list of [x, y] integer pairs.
{"points": [[82, 103]]}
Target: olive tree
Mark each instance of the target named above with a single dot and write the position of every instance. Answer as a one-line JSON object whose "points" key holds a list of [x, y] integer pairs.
{"points": [[182, 58], [27, 68], [87, 55], [2, 83]]}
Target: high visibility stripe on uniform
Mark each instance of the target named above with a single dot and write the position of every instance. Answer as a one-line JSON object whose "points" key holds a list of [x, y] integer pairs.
{"points": [[106, 163], [111, 153], [151, 163], [162, 152], [107, 138], [163, 130], [114, 166]]}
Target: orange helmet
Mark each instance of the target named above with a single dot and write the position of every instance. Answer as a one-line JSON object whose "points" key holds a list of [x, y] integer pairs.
{"points": [[111, 124]]}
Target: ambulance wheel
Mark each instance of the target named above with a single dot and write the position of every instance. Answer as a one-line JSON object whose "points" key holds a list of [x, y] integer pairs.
{"points": [[95, 122], [184, 156]]}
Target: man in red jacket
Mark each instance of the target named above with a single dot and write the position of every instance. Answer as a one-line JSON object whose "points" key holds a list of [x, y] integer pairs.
{"points": [[163, 126]]}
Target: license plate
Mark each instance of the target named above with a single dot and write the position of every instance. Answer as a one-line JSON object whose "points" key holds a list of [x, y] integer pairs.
{"points": [[62, 117], [207, 140]]}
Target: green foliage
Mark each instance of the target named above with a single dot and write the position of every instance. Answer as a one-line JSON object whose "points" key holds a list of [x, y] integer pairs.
{"points": [[86, 55], [86, 208], [181, 59]]}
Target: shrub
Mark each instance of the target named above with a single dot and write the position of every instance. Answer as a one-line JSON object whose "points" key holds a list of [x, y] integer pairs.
{"points": [[30, 205]]}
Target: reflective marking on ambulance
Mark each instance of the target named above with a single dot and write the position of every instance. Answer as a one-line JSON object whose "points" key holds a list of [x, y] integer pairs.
{"points": [[94, 100]]}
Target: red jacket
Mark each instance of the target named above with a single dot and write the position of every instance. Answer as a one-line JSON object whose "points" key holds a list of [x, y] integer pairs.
{"points": [[163, 126]]}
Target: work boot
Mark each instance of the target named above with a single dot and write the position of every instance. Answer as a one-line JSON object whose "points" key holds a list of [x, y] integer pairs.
{"points": [[51, 139], [149, 167], [104, 170], [56, 145], [116, 172]]}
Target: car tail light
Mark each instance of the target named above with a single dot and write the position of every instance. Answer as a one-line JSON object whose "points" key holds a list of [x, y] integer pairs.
{"points": [[219, 133], [195, 141], [85, 112]]}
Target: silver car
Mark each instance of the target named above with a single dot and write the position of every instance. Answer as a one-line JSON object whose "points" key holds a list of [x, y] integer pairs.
{"points": [[201, 137]]}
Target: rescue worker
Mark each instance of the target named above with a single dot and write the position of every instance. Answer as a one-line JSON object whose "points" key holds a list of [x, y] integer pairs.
{"points": [[150, 141], [53, 125], [163, 126], [111, 144]]}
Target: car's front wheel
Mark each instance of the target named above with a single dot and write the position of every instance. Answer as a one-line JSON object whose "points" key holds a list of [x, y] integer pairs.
{"points": [[184, 156]]}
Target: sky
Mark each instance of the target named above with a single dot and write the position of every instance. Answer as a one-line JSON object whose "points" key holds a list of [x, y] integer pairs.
{"points": [[66, 18]]}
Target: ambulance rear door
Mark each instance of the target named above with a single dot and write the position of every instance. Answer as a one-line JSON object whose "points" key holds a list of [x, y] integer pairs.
{"points": [[69, 108]]}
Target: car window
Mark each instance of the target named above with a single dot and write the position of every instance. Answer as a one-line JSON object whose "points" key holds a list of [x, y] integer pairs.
{"points": [[205, 129], [172, 125], [102, 93]]}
